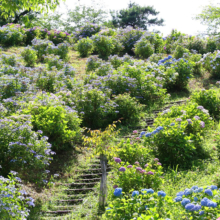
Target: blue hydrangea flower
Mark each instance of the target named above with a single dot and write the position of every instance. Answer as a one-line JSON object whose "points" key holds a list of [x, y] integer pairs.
{"points": [[108, 209], [209, 192], [188, 192], [197, 208], [118, 192], [161, 193], [180, 193], [172, 124], [212, 204], [190, 207], [213, 187], [194, 187], [142, 133], [204, 201], [135, 193], [144, 191], [178, 199], [159, 128], [201, 212], [185, 201], [195, 199], [151, 191], [148, 134]]}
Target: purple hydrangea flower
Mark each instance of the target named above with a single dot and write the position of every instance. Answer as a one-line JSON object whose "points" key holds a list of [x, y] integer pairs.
{"points": [[129, 166], [150, 173], [117, 160], [196, 117], [178, 119], [189, 121], [202, 124], [122, 169]]}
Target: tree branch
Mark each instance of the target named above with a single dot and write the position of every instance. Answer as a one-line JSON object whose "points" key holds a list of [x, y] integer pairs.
{"points": [[17, 17]]}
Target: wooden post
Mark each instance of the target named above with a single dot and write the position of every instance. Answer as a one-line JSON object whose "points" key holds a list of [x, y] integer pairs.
{"points": [[103, 185]]}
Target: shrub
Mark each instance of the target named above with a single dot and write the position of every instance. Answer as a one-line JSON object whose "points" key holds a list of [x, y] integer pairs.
{"points": [[197, 44], [53, 61], [61, 50], [135, 177], [85, 47], [14, 202], [209, 99], [197, 65], [10, 60], [12, 35], [128, 107], [104, 69], [143, 48], [24, 150], [93, 63], [104, 45], [129, 37], [179, 51], [32, 33], [115, 61], [156, 57], [60, 124], [211, 45], [178, 137], [132, 150], [87, 30], [40, 46], [30, 56], [58, 37]]}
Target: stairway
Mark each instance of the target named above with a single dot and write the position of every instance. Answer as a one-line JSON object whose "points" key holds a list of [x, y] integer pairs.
{"points": [[75, 193]]}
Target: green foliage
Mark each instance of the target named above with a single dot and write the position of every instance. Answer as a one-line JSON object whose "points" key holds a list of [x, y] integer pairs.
{"points": [[60, 124], [85, 47], [53, 61], [14, 204], [9, 59], [132, 151], [179, 51], [179, 140], [209, 99], [22, 149], [104, 69], [135, 16], [156, 57], [92, 63], [137, 177], [30, 56], [143, 48], [12, 35], [197, 44], [104, 45], [128, 107]]}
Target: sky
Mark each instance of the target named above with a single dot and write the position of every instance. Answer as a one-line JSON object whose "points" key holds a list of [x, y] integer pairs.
{"points": [[177, 14]]}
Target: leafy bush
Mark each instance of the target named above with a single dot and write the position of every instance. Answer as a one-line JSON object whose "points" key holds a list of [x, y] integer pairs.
{"points": [[104, 69], [143, 48], [14, 202], [30, 56], [22, 149], [197, 65], [12, 35], [32, 33], [135, 177], [197, 44], [40, 46], [92, 63], [57, 36], [87, 30], [179, 135], [179, 51], [104, 45], [115, 61], [156, 57], [129, 37], [10, 60], [53, 61], [85, 47], [128, 107], [209, 99], [60, 124]]}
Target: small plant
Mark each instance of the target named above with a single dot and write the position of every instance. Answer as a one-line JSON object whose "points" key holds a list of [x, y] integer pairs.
{"points": [[30, 56], [85, 47], [9, 59], [53, 61], [143, 48], [179, 51]]}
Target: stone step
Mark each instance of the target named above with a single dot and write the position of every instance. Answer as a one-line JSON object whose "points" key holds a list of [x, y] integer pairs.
{"points": [[81, 190], [90, 175], [97, 170], [70, 201], [80, 184], [89, 180], [60, 212]]}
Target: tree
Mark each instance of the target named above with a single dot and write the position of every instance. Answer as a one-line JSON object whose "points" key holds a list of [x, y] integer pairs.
{"points": [[15, 10], [135, 16], [210, 16], [83, 14]]}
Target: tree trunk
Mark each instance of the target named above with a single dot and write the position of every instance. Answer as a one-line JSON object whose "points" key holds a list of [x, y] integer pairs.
{"points": [[103, 185]]}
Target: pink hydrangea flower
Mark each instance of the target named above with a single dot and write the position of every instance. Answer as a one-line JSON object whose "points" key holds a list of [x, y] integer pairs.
{"points": [[137, 163], [135, 132], [159, 164], [129, 166], [150, 173], [156, 159], [146, 165], [115, 186]]}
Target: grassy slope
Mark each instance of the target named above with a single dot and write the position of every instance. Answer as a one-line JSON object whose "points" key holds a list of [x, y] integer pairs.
{"points": [[67, 162]]}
